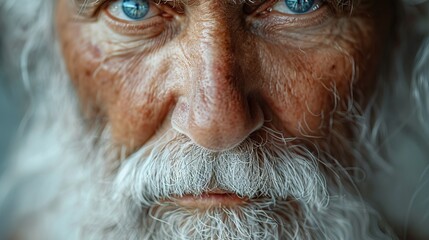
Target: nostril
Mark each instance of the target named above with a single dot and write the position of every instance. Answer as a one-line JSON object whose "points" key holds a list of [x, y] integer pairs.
{"points": [[256, 112]]}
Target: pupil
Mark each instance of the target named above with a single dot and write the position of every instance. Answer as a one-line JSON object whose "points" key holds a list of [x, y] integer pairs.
{"points": [[300, 6], [135, 9]]}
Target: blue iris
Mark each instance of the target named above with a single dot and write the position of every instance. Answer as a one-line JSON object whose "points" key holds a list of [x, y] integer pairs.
{"points": [[300, 6], [135, 9]]}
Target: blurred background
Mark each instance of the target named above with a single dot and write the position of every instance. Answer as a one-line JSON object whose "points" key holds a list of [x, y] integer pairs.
{"points": [[12, 108]]}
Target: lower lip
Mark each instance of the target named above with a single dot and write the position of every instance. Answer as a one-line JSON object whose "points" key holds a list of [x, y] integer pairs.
{"points": [[208, 200]]}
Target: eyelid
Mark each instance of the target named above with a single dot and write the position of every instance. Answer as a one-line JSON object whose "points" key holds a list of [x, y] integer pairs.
{"points": [[146, 28], [114, 7], [142, 29], [277, 24], [270, 6], [283, 8], [262, 8]]}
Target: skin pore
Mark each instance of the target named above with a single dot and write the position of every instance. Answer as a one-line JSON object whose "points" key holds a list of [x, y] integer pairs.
{"points": [[218, 71]]}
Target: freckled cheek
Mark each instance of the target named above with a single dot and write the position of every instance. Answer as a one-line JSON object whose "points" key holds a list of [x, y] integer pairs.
{"points": [[310, 95], [132, 125], [307, 113], [132, 117], [138, 106], [94, 84], [136, 115]]}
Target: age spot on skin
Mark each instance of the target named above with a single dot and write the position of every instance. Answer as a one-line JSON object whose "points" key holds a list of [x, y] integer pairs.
{"points": [[95, 51]]}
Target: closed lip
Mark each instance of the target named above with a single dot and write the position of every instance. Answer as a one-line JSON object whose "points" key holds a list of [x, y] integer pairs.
{"points": [[214, 198]]}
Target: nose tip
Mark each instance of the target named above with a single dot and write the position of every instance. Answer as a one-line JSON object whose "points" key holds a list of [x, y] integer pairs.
{"points": [[217, 129]]}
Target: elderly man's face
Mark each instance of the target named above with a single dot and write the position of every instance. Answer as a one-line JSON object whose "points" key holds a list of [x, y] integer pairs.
{"points": [[217, 71], [221, 73]]}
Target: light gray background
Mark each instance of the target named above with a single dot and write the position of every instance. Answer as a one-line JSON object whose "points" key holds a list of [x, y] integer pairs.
{"points": [[11, 112]]}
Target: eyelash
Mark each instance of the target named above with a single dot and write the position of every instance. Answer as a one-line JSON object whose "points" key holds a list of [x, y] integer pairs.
{"points": [[138, 27], [315, 5], [115, 7], [146, 28]]}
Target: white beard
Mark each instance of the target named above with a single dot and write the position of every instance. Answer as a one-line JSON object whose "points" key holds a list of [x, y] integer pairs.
{"points": [[88, 193]]}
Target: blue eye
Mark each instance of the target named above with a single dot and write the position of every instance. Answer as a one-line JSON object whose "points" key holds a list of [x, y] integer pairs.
{"points": [[132, 10], [294, 7], [135, 9], [300, 6]]}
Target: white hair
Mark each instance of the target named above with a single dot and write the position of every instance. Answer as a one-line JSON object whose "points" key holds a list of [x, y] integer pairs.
{"points": [[70, 177]]}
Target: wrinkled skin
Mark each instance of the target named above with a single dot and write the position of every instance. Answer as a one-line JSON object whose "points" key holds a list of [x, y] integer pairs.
{"points": [[218, 73]]}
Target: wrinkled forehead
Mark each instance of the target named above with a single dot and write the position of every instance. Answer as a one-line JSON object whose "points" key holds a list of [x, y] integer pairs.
{"points": [[87, 7]]}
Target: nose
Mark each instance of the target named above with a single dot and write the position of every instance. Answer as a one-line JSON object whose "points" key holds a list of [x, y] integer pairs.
{"points": [[216, 109]]}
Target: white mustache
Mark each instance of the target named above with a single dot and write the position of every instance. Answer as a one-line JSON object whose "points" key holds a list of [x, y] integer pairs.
{"points": [[275, 169]]}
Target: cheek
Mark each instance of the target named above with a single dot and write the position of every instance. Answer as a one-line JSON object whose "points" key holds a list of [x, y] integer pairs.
{"points": [[305, 88], [97, 76], [308, 90], [83, 61], [141, 104], [127, 92]]}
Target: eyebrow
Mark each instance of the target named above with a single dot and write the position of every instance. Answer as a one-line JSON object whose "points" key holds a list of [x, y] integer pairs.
{"points": [[87, 8]]}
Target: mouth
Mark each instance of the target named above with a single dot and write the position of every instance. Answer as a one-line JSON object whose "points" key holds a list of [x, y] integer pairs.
{"points": [[206, 200]]}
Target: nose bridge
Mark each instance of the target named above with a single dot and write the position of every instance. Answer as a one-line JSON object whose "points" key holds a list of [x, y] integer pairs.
{"points": [[218, 97], [210, 38], [217, 87], [218, 113]]}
